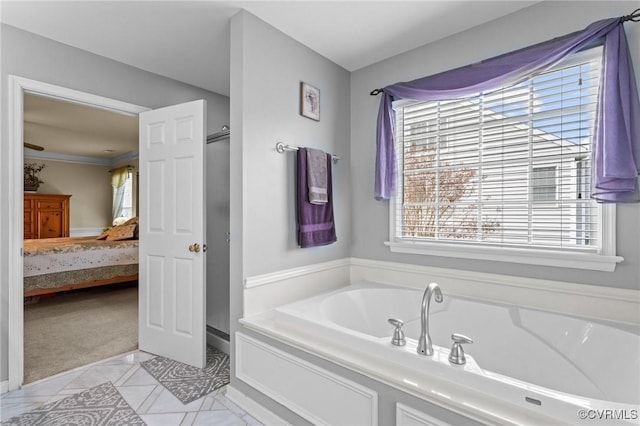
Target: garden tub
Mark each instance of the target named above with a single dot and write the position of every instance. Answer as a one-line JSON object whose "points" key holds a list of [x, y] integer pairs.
{"points": [[525, 365]]}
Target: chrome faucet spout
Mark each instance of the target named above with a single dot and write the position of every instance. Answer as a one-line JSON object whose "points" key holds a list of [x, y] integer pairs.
{"points": [[425, 346]]}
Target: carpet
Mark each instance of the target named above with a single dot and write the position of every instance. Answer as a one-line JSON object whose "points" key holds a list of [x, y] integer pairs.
{"points": [[78, 328], [99, 406], [189, 383]]}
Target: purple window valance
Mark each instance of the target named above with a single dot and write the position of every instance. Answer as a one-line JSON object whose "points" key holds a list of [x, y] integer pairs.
{"points": [[616, 140]]}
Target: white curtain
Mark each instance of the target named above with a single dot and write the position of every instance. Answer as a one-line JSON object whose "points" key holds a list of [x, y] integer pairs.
{"points": [[118, 179]]}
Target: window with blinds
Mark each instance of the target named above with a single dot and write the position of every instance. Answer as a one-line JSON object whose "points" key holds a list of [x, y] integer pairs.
{"points": [[509, 167]]}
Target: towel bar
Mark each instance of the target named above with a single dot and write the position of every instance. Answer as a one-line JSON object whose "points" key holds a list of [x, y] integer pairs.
{"points": [[281, 148]]}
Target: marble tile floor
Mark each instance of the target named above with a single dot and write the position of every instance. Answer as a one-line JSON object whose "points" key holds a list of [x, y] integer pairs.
{"points": [[153, 403]]}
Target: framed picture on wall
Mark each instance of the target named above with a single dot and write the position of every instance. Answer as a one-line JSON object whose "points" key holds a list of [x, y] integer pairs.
{"points": [[309, 101]]}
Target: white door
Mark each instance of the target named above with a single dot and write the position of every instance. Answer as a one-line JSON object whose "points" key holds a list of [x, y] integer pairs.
{"points": [[172, 231]]}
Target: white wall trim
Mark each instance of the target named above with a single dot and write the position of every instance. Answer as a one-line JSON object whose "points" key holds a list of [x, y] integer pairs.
{"points": [[289, 372], [605, 303], [80, 159], [559, 259], [264, 292], [75, 96], [4, 387], [85, 232], [273, 277], [66, 158], [257, 411], [16, 234], [18, 86]]}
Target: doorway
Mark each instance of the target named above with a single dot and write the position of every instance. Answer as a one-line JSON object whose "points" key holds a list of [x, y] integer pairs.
{"points": [[84, 311], [163, 309], [18, 88]]}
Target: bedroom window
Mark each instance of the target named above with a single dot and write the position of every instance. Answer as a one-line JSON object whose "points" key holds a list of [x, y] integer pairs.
{"points": [[127, 199], [508, 169], [123, 201]]}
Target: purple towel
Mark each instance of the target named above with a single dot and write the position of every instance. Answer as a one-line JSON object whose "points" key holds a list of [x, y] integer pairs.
{"points": [[315, 222]]}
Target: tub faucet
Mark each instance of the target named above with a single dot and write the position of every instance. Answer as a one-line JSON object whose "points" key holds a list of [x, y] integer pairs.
{"points": [[425, 346]]}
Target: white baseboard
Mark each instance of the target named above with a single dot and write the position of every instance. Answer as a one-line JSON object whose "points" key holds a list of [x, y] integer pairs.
{"points": [[257, 411], [4, 387], [218, 342], [84, 232]]}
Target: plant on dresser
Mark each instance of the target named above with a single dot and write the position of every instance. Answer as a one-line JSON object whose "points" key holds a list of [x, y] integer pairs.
{"points": [[32, 179]]}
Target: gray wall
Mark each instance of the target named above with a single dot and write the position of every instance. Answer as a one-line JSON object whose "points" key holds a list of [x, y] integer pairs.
{"points": [[266, 70], [28, 55], [90, 188], [272, 68], [537, 23]]}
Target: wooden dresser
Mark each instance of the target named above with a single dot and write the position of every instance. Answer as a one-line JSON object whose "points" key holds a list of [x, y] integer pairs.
{"points": [[46, 215]]}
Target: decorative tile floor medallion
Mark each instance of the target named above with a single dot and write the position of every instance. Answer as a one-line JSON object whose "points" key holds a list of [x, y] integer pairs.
{"points": [[99, 406], [189, 383]]}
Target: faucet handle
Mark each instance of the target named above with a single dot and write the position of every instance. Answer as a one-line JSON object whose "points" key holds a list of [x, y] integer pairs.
{"points": [[456, 356], [461, 338], [396, 322], [398, 335]]}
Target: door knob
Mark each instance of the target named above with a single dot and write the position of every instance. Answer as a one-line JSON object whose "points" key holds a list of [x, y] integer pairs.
{"points": [[194, 248]]}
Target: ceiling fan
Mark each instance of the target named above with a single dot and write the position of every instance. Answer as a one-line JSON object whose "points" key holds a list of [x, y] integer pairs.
{"points": [[32, 146]]}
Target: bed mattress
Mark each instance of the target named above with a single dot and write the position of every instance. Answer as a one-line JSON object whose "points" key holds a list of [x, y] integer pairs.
{"points": [[58, 264], [56, 255]]}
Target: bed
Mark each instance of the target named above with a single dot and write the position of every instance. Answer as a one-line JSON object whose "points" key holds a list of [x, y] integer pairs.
{"points": [[59, 264]]}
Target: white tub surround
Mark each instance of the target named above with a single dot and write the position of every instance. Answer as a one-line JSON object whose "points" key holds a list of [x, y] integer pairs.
{"points": [[520, 357], [603, 303], [318, 395], [267, 291]]}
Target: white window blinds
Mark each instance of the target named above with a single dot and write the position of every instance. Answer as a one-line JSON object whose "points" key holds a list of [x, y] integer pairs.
{"points": [[509, 167]]}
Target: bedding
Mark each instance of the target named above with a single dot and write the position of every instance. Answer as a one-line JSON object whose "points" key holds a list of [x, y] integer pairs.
{"points": [[56, 264]]}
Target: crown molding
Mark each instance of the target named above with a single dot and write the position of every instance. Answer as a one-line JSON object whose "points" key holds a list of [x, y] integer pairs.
{"points": [[82, 159]]}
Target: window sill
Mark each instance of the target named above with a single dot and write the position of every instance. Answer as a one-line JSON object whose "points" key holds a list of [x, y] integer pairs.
{"points": [[589, 261]]}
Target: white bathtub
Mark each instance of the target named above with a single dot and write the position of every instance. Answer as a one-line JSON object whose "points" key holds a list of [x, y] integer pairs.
{"points": [[523, 364]]}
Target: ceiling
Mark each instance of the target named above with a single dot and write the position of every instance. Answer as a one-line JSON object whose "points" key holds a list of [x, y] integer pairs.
{"points": [[76, 130], [189, 41]]}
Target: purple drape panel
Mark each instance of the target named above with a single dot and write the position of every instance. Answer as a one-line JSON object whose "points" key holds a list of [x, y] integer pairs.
{"points": [[618, 112], [616, 151], [386, 166]]}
